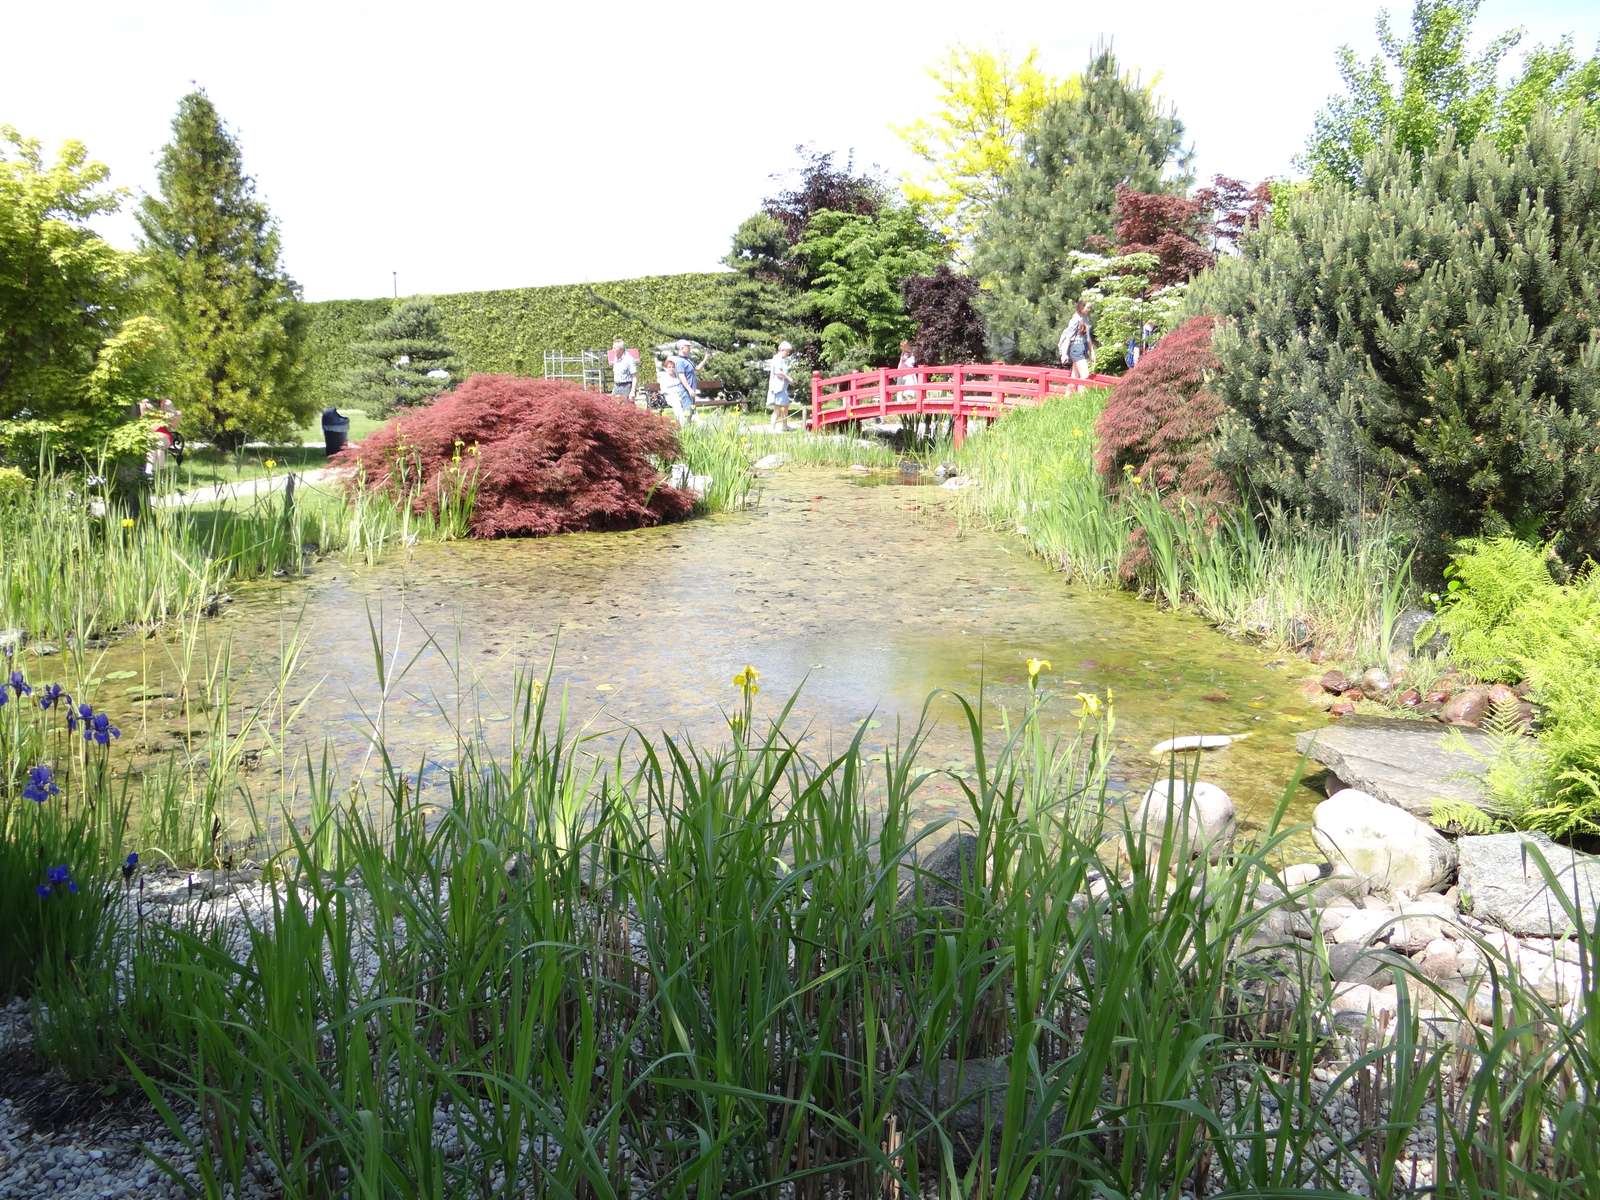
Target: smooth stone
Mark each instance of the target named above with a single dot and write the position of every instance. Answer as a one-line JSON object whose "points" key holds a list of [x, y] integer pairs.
{"points": [[1299, 875], [1466, 708], [769, 462], [1381, 843], [946, 874], [1364, 926], [1501, 882], [1204, 817], [1401, 762]]}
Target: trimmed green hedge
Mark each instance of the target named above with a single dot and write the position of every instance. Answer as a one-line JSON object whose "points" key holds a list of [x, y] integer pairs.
{"points": [[509, 331]]}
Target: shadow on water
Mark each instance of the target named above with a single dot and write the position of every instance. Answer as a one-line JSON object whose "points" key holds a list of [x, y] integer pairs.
{"points": [[872, 598]]}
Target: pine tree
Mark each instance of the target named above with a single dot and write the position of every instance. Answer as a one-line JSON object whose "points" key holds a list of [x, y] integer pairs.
{"points": [[1427, 345], [397, 360], [1062, 193], [753, 308], [233, 313]]}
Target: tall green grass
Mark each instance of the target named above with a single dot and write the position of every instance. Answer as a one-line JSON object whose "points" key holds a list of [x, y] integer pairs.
{"points": [[718, 970], [1257, 573], [72, 569]]}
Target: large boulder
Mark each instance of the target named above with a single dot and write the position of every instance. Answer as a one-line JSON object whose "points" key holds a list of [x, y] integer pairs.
{"points": [[1383, 844], [1201, 816], [1402, 762], [1501, 882]]}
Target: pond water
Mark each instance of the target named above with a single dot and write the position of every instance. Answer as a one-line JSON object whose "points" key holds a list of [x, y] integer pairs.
{"points": [[870, 597]]}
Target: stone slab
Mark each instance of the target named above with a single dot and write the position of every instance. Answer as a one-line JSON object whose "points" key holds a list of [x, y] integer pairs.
{"points": [[1401, 762]]}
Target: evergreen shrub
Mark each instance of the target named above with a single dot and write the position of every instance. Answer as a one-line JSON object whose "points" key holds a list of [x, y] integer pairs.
{"points": [[537, 456], [1425, 343]]}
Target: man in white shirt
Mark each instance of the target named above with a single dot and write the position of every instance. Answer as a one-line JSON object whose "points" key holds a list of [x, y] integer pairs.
{"points": [[624, 369], [778, 387]]}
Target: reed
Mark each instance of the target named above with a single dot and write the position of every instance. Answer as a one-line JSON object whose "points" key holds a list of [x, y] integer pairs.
{"points": [[692, 970], [1254, 572]]}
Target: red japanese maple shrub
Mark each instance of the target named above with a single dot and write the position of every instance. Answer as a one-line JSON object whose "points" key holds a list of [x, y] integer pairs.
{"points": [[1160, 419], [550, 457]]}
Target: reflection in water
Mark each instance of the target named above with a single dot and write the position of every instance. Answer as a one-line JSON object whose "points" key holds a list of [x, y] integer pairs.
{"points": [[872, 598]]}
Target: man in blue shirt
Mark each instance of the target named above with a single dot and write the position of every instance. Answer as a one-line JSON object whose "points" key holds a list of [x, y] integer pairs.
{"points": [[688, 369]]}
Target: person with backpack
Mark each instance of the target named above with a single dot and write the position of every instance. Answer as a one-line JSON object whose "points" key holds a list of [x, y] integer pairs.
{"points": [[1076, 347]]}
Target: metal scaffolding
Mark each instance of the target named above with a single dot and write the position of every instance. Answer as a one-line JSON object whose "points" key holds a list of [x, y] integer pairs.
{"points": [[587, 368]]}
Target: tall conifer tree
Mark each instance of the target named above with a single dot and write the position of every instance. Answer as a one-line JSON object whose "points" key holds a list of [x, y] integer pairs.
{"points": [[753, 307], [1063, 193], [233, 312]]}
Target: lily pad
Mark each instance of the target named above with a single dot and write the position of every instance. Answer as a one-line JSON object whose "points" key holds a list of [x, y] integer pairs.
{"points": [[117, 676]]}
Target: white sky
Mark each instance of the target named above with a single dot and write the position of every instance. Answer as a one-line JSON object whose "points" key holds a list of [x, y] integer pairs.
{"points": [[469, 145]]}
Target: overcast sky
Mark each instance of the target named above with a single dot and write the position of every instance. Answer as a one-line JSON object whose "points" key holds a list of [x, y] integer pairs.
{"points": [[470, 145]]}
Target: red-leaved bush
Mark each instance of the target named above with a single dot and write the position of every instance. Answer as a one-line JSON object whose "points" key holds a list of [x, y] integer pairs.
{"points": [[1160, 420], [550, 457]]}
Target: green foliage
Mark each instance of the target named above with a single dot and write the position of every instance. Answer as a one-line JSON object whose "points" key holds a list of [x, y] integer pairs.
{"points": [[1429, 345], [857, 264], [507, 332], [1116, 289], [1436, 89], [1488, 581], [13, 486], [216, 283], [397, 357], [1508, 618], [72, 362], [751, 309], [1061, 195], [988, 101]]}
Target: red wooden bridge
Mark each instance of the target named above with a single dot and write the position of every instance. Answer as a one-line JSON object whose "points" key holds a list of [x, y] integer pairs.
{"points": [[984, 390]]}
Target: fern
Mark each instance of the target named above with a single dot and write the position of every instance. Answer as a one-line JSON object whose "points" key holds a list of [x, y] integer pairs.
{"points": [[1462, 816], [1491, 585]]}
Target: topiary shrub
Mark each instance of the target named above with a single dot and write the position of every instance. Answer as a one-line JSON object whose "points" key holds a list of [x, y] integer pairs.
{"points": [[548, 458], [1160, 420]]}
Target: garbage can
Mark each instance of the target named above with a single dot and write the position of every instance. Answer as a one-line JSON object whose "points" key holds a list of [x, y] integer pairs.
{"points": [[335, 431]]}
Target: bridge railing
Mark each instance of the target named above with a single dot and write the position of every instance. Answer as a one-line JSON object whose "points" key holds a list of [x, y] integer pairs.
{"points": [[960, 390]]}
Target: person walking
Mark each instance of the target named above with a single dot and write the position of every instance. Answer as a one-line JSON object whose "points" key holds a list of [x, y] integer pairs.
{"points": [[778, 387], [624, 369], [1076, 346]]}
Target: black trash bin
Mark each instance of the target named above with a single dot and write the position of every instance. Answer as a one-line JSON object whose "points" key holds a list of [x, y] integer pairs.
{"points": [[335, 430]]}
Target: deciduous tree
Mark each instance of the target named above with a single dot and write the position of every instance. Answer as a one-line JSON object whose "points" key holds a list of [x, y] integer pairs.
{"points": [[218, 285], [1423, 83], [72, 360], [857, 264], [987, 103], [941, 307]]}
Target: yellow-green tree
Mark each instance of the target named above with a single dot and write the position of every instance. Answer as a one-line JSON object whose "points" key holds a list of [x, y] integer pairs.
{"points": [[988, 101]]}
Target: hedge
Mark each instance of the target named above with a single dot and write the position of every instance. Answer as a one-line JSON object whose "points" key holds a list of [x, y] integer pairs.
{"points": [[509, 331]]}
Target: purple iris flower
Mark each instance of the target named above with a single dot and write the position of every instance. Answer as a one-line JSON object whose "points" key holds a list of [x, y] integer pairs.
{"points": [[100, 730], [19, 685], [51, 695], [41, 785]]}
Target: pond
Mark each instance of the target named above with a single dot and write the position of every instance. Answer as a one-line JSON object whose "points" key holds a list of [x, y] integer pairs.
{"points": [[869, 599]]}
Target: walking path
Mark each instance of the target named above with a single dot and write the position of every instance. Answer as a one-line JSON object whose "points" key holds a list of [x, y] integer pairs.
{"points": [[244, 489]]}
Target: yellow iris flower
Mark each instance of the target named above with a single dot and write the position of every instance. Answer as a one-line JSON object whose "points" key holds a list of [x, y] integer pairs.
{"points": [[1035, 665]]}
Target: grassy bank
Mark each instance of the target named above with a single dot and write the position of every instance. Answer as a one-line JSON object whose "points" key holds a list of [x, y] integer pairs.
{"points": [[74, 569], [1257, 574], [710, 970]]}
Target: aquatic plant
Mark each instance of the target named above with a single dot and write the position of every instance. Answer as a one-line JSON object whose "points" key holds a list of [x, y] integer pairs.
{"points": [[733, 965]]}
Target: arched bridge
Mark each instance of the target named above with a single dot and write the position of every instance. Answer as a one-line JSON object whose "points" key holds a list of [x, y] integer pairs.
{"points": [[984, 390]]}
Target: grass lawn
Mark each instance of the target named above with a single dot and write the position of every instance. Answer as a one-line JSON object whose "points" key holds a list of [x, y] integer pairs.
{"points": [[360, 426], [207, 465]]}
